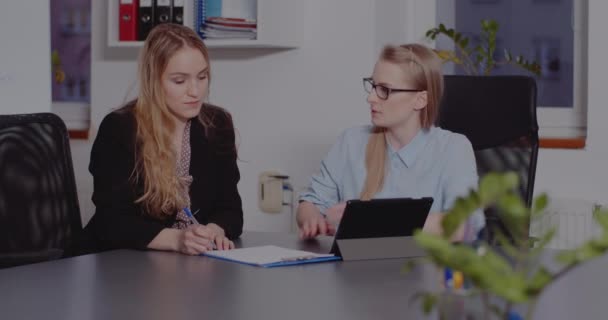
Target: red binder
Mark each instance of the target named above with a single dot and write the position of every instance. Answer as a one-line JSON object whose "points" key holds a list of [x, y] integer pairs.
{"points": [[127, 20]]}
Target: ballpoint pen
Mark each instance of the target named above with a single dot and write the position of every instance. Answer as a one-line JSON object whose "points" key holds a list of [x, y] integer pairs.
{"points": [[190, 215], [194, 221], [448, 282]]}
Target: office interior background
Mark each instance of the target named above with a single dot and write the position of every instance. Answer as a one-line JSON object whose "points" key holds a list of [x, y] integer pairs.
{"points": [[289, 105]]}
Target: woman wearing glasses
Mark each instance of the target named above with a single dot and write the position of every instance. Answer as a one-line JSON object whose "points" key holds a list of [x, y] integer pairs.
{"points": [[401, 154], [164, 166]]}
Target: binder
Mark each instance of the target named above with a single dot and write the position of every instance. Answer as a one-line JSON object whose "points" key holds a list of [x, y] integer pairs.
{"points": [[146, 19], [270, 256], [127, 21], [201, 15], [162, 12], [177, 12], [214, 8]]}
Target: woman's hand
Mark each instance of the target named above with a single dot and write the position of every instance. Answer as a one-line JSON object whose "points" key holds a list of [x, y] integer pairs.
{"points": [[194, 240], [313, 224], [219, 237], [216, 230], [335, 213]]}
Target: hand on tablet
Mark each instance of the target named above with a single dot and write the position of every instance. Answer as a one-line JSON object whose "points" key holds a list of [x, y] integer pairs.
{"points": [[313, 224], [335, 213]]}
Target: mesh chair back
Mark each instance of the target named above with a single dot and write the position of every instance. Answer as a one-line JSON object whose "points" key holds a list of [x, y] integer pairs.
{"points": [[39, 213], [498, 115]]}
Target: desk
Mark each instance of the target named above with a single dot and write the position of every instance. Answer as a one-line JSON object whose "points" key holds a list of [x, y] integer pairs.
{"points": [[126, 284]]}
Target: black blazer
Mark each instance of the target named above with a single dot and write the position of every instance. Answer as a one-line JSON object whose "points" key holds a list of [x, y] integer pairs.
{"points": [[120, 223]]}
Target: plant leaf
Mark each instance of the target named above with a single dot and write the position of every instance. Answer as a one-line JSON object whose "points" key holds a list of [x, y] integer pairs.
{"points": [[481, 58], [461, 210], [542, 242], [429, 300], [488, 271], [601, 217], [409, 265], [567, 257], [540, 203], [514, 205], [539, 281], [464, 42], [505, 243], [492, 185], [587, 251]]}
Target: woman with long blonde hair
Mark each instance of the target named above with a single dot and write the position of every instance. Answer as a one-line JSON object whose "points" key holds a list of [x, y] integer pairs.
{"points": [[402, 154], [164, 165]]}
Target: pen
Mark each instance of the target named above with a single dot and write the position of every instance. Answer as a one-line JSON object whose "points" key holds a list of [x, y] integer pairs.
{"points": [[190, 216], [447, 278], [194, 221]]}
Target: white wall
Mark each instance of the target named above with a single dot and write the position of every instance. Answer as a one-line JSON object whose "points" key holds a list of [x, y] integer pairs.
{"points": [[289, 106], [583, 173], [25, 65]]}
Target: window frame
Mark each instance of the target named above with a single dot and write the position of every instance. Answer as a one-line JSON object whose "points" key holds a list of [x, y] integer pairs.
{"points": [[554, 122]]}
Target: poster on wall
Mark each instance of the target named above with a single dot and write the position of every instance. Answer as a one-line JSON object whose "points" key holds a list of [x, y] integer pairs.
{"points": [[71, 50]]}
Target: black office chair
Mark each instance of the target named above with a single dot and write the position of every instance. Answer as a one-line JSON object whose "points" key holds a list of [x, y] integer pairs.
{"points": [[39, 212], [498, 115]]}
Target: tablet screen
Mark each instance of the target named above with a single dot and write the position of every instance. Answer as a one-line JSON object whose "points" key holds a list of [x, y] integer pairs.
{"points": [[377, 218]]}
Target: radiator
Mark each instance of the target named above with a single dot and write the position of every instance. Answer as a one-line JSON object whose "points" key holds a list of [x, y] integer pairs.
{"points": [[572, 220]]}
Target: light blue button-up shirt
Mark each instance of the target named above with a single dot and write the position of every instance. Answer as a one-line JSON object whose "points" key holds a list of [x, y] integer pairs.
{"points": [[437, 163]]}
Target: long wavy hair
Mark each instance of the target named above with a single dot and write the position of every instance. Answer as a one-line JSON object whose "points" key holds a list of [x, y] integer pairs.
{"points": [[155, 156], [423, 67]]}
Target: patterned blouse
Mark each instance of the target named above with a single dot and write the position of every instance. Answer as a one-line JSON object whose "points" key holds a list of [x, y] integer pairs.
{"points": [[183, 172]]}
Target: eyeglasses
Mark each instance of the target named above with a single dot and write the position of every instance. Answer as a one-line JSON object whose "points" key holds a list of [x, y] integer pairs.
{"points": [[382, 91]]}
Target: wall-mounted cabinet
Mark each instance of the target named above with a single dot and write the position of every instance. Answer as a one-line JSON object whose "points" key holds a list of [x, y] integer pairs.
{"points": [[280, 24]]}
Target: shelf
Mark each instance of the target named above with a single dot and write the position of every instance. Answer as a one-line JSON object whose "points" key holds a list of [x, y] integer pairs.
{"points": [[211, 44], [280, 25]]}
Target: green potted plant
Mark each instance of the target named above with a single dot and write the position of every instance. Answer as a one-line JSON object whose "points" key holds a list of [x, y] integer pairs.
{"points": [[511, 273], [479, 59]]}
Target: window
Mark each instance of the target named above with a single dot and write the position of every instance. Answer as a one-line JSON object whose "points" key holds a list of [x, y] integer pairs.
{"points": [[551, 32], [523, 29]]}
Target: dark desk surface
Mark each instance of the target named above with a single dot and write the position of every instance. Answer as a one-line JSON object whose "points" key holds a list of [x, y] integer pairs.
{"points": [[160, 285]]}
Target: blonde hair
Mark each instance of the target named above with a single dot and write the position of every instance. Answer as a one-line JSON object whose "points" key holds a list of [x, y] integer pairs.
{"points": [[423, 69], [155, 156]]}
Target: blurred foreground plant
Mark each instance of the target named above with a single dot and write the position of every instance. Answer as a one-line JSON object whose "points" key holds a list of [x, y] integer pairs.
{"points": [[510, 272]]}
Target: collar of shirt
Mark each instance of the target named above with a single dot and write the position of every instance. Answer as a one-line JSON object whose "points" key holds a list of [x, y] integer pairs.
{"points": [[410, 152]]}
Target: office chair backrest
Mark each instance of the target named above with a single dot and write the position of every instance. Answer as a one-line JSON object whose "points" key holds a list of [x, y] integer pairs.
{"points": [[498, 115], [39, 213]]}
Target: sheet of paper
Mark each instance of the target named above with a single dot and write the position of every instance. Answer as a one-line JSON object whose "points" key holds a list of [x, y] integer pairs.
{"points": [[264, 255]]}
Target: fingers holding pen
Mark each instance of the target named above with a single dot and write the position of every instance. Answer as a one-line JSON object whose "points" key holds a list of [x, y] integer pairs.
{"points": [[198, 236]]}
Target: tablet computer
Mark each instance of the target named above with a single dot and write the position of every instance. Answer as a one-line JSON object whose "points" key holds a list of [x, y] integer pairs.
{"points": [[380, 228]]}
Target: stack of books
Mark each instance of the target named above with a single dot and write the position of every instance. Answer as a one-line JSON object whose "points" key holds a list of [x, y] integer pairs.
{"points": [[229, 28]]}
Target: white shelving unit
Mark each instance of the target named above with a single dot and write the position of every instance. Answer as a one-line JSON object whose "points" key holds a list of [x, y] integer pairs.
{"points": [[280, 25]]}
